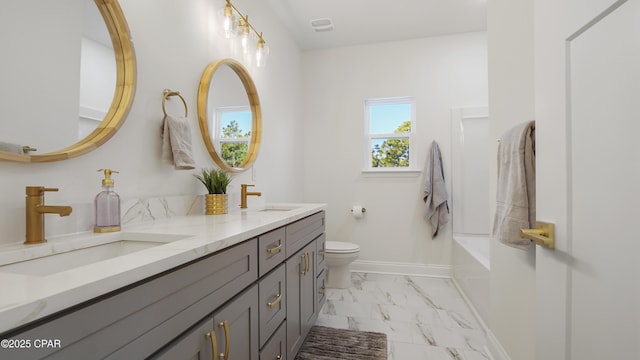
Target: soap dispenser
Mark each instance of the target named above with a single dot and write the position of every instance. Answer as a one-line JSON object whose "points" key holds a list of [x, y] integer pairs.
{"points": [[107, 206]]}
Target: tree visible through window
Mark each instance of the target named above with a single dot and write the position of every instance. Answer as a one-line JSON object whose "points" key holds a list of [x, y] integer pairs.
{"points": [[234, 134], [389, 124]]}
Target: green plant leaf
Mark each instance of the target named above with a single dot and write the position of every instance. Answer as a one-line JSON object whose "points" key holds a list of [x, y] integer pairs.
{"points": [[214, 180]]}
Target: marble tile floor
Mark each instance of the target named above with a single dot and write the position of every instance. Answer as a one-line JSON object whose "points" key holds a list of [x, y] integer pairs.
{"points": [[423, 317]]}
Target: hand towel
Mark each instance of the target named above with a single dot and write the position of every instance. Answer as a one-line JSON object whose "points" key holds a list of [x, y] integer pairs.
{"points": [[516, 191], [12, 148], [176, 143], [435, 191]]}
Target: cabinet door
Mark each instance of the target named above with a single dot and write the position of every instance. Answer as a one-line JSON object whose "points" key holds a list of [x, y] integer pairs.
{"points": [[320, 291], [196, 344], [301, 305], [236, 327], [308, 290]]}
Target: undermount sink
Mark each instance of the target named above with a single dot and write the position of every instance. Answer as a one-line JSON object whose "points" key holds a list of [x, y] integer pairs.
{"points": [[55, 261]]}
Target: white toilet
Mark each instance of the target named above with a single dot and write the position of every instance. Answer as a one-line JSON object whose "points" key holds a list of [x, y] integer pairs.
{"points": [[339, 256]]}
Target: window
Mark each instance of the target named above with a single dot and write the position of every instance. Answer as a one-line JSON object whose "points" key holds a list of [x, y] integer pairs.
{"points": [[232, 133], [390, 125]]}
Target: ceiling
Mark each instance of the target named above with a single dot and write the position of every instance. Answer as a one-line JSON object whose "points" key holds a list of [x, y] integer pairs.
{"points": [[358, 22]]}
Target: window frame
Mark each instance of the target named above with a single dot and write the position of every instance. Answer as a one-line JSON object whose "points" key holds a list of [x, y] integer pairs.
{"points": [[369, 137], [215, 127]]}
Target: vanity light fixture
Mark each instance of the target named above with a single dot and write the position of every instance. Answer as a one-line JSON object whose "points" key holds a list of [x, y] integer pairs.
{"points": [[241, 26]]}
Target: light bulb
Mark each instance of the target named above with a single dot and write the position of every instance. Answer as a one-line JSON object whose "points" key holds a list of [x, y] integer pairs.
{"points": [[262, 53], [244, 37], [228, 21]]}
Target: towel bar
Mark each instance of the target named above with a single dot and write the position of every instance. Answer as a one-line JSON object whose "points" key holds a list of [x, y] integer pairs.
{"points": [[543, 234]]}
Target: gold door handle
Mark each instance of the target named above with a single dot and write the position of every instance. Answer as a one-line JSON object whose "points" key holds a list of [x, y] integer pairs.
{"points": [[227, 340], [308, 261], [214, 344], [274, 250], [543, 234], [275, 302]]}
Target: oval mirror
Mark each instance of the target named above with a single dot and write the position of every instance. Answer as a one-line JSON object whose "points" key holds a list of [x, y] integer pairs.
{"points": [[229, 115], [68, 77]]}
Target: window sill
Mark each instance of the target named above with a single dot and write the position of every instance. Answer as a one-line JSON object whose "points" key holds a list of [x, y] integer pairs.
{"points": [[391, 172]]}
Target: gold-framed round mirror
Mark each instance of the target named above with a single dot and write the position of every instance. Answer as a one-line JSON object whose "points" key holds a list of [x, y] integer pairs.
{"points": [[71, 75], [229, 115]]}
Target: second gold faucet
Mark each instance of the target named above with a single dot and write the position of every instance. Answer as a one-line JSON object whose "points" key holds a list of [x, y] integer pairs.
{"points": [[244, 193]]}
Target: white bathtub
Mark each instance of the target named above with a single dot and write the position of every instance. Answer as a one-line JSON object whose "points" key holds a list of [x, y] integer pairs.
{"points": [[470, 265]]}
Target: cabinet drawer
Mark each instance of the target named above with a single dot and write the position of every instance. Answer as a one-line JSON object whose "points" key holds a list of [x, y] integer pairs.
{"points": [[136, 322], [302, 232], [273, 305], [271, 250], [276, 347], [321, 261]]}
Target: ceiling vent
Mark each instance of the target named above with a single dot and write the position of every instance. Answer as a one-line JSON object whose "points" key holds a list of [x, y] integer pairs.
{"points": [[322, 25]]}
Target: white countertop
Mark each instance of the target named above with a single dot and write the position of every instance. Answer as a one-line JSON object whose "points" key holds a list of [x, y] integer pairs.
{"points": [[29, 297]]}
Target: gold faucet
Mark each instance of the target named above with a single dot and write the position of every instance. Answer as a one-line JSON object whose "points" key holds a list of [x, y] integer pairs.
{"points": [[35, 213], [244, 193]]}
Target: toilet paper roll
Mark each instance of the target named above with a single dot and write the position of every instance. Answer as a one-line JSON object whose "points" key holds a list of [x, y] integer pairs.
{"points": [[357, 211]]}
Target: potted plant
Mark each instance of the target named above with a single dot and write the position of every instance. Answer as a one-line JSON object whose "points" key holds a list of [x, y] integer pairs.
{"points": [[216, 182]]}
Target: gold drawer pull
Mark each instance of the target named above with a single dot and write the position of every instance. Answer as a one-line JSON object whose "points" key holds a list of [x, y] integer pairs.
{"points": [[274, 250], [303, 264], [275, 302]]}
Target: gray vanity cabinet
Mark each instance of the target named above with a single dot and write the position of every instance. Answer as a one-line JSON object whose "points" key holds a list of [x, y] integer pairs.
{"points": [[251, 301]]}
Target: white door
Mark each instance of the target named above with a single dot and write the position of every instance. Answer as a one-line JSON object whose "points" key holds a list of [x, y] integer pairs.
{"points": [[588, 171]]}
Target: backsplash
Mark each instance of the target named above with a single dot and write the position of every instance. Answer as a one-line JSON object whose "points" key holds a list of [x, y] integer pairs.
{"points": [[133, 211]]}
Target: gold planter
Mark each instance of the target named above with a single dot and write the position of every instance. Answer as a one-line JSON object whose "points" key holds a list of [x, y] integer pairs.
{"points": [[215, 204]]}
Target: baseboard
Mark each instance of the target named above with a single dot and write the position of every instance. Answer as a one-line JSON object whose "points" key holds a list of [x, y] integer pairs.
{"points": [[395, 268]]}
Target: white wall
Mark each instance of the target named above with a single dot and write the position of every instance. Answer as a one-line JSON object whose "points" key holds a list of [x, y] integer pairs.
{"points": [[441, 72], [511, 101], [174, 41]]}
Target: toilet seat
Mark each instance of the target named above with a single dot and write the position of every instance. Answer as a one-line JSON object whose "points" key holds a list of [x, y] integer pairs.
{"points": [[339, 247]]}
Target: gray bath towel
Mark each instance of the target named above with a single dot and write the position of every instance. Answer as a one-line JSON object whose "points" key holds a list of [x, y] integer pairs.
{"points": [[516, 191], [176, 143], [435, 191]]}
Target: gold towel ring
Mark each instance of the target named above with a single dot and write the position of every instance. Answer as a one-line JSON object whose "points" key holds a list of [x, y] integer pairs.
{"points": [[166, 93]]}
